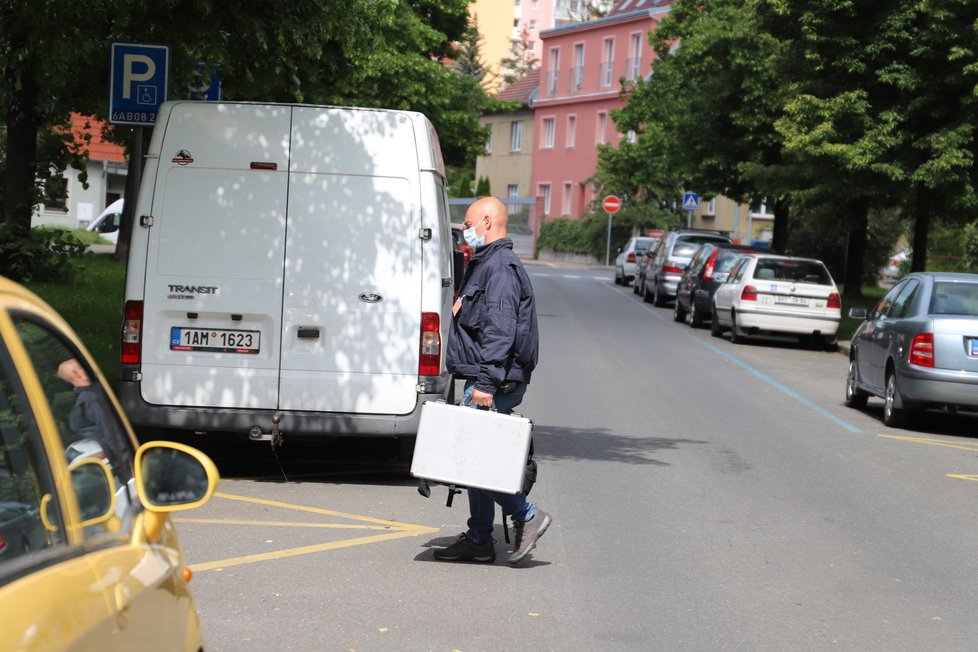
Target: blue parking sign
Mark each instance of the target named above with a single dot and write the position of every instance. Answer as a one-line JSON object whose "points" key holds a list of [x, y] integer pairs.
{"points": [[140, 80]]}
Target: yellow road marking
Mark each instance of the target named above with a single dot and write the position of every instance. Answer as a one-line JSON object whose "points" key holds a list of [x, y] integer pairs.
{"points": [[957, 476], [936, 442], [395, 530]]}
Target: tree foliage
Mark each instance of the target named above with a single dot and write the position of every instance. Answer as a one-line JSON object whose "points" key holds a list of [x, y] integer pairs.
{"points": [[384, 53], [849, 112]]}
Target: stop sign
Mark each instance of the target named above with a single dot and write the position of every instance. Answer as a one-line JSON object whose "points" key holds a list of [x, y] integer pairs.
{"points": [[611, 204]]}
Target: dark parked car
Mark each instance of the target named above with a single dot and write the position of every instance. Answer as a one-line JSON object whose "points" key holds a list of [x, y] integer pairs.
{"points": [[706, 271], [918, 348]]}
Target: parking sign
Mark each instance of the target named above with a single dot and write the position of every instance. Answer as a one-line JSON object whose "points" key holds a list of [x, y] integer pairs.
{"points": [[140, 79]]}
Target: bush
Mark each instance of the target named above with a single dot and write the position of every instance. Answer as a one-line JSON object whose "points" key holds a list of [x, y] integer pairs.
{"points": [[39, 254]]}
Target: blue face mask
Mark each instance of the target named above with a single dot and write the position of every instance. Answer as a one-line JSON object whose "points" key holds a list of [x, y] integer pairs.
{"points": [[472, 238]]}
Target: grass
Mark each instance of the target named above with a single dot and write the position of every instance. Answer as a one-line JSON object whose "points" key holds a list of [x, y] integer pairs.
{"points": [[90, 298]]}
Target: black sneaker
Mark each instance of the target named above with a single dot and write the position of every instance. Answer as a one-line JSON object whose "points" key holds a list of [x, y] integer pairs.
{"points": [[527, 533], [464, 549]]}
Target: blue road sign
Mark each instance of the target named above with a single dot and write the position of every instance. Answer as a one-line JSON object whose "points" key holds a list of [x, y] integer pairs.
{"points": [[691, 201], [140, 80]]}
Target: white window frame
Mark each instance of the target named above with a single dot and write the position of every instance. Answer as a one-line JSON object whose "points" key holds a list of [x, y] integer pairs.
{"points": [[567, 199], [636, 56], [544, 189], [608, 65], [548, 133], [489, 140], [571, 139], [516, 136], [553, 72], [602, 128], [577, 78]]}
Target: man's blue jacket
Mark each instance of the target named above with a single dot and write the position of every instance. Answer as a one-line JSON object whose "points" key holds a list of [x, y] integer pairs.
{"points": [[494, 334]]}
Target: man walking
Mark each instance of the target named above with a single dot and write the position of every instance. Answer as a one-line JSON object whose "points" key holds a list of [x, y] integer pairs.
{"points": [[494, 345]]}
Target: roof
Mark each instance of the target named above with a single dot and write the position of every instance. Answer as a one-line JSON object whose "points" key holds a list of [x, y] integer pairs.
{"points": [[628, 6], [521, 89], [98, 148]]}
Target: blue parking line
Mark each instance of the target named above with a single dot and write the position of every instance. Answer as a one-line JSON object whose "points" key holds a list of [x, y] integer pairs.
{"points": [[758, 374]]}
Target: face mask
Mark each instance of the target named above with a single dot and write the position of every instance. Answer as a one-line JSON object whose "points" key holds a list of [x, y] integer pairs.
{"points": [[472, 238]]}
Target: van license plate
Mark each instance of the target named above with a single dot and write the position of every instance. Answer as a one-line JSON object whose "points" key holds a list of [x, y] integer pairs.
{"points": [[215, 340]]}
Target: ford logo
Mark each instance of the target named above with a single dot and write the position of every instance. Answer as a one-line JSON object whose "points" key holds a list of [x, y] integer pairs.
{"points": [[371, 297]]}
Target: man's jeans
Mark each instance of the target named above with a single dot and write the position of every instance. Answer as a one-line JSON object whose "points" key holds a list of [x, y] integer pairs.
{"points": [[482, 508]]}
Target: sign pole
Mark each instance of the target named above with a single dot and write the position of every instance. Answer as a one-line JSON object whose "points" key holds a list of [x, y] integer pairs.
{"points": [[607, 255], [610, 204]]}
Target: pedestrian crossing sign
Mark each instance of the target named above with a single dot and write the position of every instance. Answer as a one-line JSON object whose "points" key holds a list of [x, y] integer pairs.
{"points": [[691, 201]]}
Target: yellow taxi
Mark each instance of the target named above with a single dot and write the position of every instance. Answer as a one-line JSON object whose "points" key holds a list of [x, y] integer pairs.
{"points": [[89, 559]]}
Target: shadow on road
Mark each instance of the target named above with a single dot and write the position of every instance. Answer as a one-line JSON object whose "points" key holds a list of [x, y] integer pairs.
{"points": [[598, 444]]}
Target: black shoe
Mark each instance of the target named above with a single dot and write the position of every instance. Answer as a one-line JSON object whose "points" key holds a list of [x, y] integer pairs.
{"points": [[527, 533], [464, 549]]}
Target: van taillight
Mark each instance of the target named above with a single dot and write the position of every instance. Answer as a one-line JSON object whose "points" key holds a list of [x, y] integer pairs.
{"points": [[749, 293], [834, 301], [922, 350], [430, 363], [132, 332]]}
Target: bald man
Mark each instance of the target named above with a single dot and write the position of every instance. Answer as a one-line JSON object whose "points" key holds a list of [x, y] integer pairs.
{"points": [[494, 346]]}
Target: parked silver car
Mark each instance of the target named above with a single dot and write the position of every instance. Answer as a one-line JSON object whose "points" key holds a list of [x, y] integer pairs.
{"points": [[672, 254], [625, 263], [918, 348]]}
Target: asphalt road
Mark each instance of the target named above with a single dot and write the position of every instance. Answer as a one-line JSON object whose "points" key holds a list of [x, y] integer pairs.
{"points": [[706, 496]]}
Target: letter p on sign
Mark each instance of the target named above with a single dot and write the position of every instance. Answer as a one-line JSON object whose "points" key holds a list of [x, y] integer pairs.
{"points": [[129, 75]]}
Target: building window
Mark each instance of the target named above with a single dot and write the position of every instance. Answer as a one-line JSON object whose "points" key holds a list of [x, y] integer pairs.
{"points": [[516, 136], [571, 130], [577, 74], [55, 194], [608, 65], [565, 208], [631, 136], [635, 57], [548, 133], [489, 141], [711, 207], [533, 4], [513, 191], [533, 25], [545, 193], [552, 71], [602, 128]]}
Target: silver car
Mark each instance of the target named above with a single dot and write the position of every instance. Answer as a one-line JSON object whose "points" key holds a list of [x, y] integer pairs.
{"points": [[918, 348]]}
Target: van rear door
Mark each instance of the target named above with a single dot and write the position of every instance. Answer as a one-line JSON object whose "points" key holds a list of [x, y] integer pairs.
{"points": [[351, 315], [214, 274]]}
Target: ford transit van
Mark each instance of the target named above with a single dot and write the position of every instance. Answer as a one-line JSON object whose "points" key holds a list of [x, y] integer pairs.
{"points": [[290, 272]]}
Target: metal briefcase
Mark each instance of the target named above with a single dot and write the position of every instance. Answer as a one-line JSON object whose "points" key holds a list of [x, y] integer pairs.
{"points": [[471, 448]]}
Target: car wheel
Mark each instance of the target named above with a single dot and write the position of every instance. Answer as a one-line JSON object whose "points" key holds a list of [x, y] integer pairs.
{"points": [[646, 295], [855, 397], [658, 298], [635, 286], [736, 335], [695, 316], [678, 314], [893, 416], [716, 330], [618, 277]]}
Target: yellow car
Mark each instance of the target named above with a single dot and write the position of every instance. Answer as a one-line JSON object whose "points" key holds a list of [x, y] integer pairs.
{"points": [[89, 559]]}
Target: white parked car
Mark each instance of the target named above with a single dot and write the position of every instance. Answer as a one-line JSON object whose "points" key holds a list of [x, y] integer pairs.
{"points": [[778, 294], [108, 221], [627, 261]]}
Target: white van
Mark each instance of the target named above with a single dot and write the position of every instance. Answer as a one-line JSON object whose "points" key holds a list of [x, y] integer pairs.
{"points": [[108, 221], [290, 272]]}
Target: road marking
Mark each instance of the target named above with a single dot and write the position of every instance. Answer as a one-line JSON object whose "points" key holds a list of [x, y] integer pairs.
{"points": [[393, 530], [965, 446], [757, 373], [963, 477]]}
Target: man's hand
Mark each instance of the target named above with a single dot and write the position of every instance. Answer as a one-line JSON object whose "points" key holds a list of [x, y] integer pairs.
{"points": [[480, 398]]}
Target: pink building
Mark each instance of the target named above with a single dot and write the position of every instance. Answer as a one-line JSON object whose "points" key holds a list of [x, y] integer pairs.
{"points": [[581, 66]]}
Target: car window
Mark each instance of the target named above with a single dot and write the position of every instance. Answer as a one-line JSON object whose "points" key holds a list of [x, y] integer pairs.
{"points": [[726, 260], [796, 271], [87, 421], [641, 244], [737, 274], [30, 516], [884, 304], [904, 300], [685, 248], [954, 299]]}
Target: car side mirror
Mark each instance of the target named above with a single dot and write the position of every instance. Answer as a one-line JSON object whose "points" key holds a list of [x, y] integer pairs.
{"points": [[172, 477], [720, 277], [94, 489], [859, 312]]}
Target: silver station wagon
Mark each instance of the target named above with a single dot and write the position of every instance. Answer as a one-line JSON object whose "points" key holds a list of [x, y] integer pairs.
{"points": [[918, 348]]}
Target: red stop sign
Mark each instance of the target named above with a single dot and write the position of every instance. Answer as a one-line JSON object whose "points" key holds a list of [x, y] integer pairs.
{"points": [[611, 204]]}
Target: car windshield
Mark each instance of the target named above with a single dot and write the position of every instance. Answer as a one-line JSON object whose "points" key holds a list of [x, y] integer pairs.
{"points": [[796, 271], [955, 299], [642, 245], [727, 259]]}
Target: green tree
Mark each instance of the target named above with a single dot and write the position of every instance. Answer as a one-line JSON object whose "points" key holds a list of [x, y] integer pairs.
{"points": [[520, 60], [363, 52], [469, 57]]}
